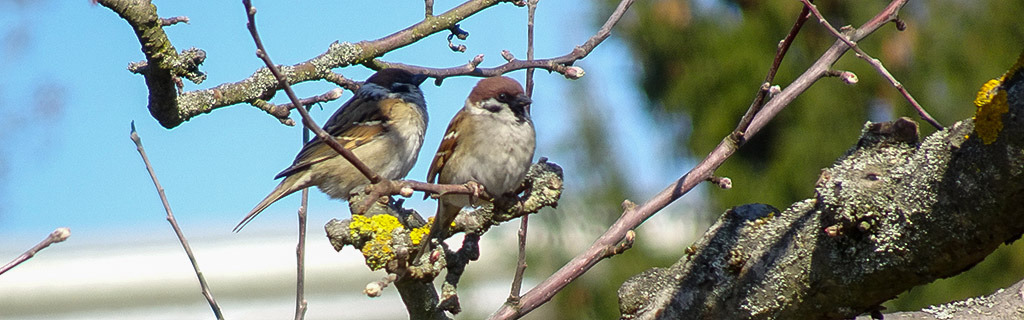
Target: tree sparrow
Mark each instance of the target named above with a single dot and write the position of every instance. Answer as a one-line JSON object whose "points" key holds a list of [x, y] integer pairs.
{"points": [[383, 124], [490, 142]]}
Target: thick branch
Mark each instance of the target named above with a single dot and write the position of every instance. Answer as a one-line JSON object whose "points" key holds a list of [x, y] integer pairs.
{"points": [[163, 65], [890, 215], [1003, 304]]}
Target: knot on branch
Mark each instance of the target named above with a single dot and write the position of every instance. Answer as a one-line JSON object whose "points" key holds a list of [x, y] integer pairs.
{"points": [[856, 186], [185, 64]]}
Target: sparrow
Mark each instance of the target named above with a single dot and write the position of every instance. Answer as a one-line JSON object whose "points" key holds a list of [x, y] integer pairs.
{"points": [[383, 124], [490, 142]]}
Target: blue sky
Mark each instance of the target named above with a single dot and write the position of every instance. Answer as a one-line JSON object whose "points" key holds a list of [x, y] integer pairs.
{"points": [[67, 100]]}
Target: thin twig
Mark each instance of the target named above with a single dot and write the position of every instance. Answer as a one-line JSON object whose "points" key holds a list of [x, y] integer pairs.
{"points": [[517, 280], [874, 63], [300, 249], [282, 111], [307, 120], [300, 255], [562, 64], [780, 53], [173, 20], [56, 236], [174, 224], [531, 7], [580, 264]]}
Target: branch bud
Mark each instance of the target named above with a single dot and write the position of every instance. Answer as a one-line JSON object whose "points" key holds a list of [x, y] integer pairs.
{"points": [[574, 73]]}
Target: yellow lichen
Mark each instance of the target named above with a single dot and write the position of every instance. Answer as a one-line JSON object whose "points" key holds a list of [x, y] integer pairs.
{"points": [[988, 119], [379, 228], [991, 105], [417, 235], [988, 90], [378, 251]]}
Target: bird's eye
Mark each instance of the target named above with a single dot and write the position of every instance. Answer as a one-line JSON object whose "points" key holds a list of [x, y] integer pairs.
{"points": [[503, 97]]}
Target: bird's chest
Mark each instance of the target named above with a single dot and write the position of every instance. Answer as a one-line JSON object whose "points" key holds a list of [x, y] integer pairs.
{"points": [[407, 135], [497, 155]]}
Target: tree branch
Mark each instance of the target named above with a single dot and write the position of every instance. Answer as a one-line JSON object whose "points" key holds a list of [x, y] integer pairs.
{"points": [[307, 120], [163, 64], [562, 64], [874, 63], [633, 218], [58, 235], [890, 215], [1003, 304], [387, 234], [174, 225]]}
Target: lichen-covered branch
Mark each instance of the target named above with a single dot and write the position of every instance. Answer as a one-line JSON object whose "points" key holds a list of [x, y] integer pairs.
{"points": [[163, 64], [891, 214], [388, 236], [1002, 304]]}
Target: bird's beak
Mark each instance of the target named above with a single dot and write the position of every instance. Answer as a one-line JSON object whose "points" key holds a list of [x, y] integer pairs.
{"points": [[522, 100], [418, 79]]}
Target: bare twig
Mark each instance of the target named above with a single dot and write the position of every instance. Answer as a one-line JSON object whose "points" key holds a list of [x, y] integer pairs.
{"points": [[281, 111], [780, 52], [874, 63], [517, 280], [173, 20], [544, 291], [624, 245], [300, 249], [300, 257], [342, 81], [56, 236], [531, 7], [374, 289], [562, 64], [307, 120], [174, 224]]}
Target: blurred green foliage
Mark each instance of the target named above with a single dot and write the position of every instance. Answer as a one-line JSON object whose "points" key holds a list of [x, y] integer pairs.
{"points": [[701, 63], [706, 59], [602, 185]]}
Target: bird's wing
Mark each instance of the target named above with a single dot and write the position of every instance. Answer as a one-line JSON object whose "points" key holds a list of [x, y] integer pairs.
{"points": [[356, 123], [446, 149]]}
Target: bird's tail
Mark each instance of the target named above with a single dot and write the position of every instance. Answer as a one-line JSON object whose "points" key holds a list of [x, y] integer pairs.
{"points": [[442, 222], [288, 186]]}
